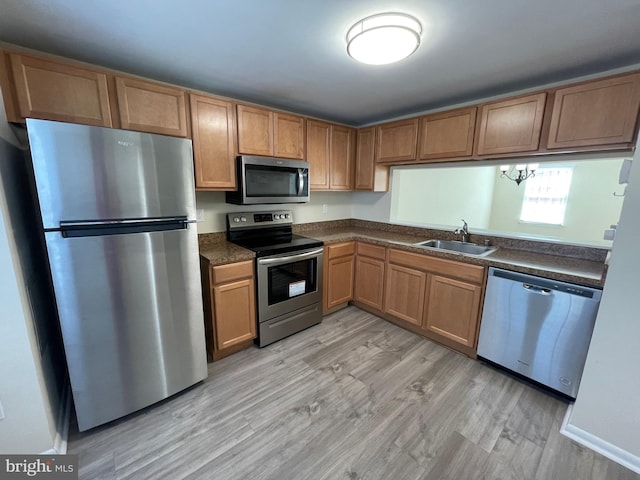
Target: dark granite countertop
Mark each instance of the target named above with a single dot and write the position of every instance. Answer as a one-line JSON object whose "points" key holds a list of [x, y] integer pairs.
{"points": [[534, 258], [562, 268], [215, 248]]}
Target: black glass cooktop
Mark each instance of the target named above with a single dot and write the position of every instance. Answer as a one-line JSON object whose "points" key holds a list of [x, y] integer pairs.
{"points": [[267, 245]]}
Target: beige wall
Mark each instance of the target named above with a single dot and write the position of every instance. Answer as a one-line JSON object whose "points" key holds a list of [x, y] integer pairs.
{"points": [[338, 206], [592, 207], [29, 423], [442, 196], [607, 405], [26, 426]]}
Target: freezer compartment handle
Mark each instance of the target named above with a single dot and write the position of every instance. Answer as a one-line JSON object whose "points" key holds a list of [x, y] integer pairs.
{"points": [[70, 229]]}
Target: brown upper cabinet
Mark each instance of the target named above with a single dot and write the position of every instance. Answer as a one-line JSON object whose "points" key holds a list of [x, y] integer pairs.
{"points": [[447, 135], [288, 136], [342, 159], [318, 153], [369, 176], [331, 154], [601, 112], [397, 141], [511, 126], [267, 133], [54, 90], [213, 126], [150, 107], [255, 131]]}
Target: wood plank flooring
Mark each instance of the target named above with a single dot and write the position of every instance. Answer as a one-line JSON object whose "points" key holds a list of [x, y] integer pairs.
{"points": [[353, 398]]}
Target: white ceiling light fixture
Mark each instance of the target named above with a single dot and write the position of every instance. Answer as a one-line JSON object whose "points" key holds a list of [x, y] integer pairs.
{"points": [[384, 38]]}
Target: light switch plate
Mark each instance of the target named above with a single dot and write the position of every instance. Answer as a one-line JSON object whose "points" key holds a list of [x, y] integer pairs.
{"points": [[199, 215], [1, 412]]}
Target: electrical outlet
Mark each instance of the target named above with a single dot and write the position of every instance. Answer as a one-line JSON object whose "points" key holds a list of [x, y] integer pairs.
{"points": [[199, 215], [324, 208], [1, 412]]}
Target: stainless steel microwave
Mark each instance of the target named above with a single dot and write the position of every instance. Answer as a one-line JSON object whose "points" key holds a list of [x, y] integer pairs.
{"points": [[270, 180]]}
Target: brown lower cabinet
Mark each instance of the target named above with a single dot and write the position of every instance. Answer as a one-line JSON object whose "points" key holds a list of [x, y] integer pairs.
{"points": [[440, 297], [452, 309], [337, 277], [369, 275], [229, 306], [405, 287]]}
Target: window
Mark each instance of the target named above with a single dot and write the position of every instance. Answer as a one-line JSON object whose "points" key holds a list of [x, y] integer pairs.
{"points": [[545, 196]]}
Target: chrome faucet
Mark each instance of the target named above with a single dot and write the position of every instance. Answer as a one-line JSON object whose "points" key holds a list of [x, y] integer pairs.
{"points": [[464, 232]]}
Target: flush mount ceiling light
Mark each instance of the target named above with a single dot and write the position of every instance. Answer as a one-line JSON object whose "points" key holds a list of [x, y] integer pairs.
{"points": [[384, 38]]}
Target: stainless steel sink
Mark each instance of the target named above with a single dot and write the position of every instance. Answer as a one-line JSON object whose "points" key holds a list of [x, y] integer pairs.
{"points": [[460, 247]]}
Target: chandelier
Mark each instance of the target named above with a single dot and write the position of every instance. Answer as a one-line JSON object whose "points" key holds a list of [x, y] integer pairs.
{"points": [[519, 173]]}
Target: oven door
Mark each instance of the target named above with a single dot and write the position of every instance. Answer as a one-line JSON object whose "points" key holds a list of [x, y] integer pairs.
{"points": [[288, 282]]}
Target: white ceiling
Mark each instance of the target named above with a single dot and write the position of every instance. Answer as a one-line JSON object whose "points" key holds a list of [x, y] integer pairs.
{"points": [[291, 54]]}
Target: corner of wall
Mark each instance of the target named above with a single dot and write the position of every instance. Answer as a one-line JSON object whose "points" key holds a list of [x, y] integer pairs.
{"points": [[597, 444]]}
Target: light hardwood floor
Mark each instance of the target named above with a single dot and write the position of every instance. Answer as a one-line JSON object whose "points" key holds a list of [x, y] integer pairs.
{"points": [[353, 398]]}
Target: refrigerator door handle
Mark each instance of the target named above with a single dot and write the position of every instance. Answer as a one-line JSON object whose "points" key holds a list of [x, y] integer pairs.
{"points": [[108, 223], [121, 227]]}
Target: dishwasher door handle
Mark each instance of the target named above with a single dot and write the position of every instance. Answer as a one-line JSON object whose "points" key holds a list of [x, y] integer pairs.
{"points": [[534, 289]]}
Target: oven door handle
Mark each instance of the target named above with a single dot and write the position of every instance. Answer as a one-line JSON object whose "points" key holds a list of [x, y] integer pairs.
{"points": [[289, 258]]}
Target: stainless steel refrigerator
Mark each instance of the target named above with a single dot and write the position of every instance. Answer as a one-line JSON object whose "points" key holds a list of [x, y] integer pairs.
{"points": [[118, 210]]}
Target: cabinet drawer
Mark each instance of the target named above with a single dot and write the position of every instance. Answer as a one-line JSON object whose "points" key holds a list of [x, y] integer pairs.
{"points": [[340, 250], [450, 268], [232, 271], [373, 251]]}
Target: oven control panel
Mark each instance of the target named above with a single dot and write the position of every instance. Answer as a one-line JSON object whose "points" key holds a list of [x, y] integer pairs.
{"points": [[259, 219]]}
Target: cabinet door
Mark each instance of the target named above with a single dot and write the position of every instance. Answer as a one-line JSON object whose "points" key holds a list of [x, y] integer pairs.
{"points": [[396, 141], [368, 175], [405, 290], [214, 142], [447, 134], [511, 126], [595, 113], [453, 308], [342, 158], [58, 91], [234, 313], [289, 136], [365, 158], [318, 153], [150, 107], [339, 284], [369, 281], [255, 131]]}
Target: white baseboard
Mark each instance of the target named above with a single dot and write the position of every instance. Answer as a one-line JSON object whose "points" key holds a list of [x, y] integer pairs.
{"points": [[612, 452], [62, 428]]}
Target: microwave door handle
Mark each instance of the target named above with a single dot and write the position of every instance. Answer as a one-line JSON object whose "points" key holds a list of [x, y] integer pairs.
{"points": [[300, 181]]}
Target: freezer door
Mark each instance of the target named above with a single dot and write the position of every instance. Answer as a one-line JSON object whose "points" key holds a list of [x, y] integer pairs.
{"points": [[94, 173], [130, 309]]}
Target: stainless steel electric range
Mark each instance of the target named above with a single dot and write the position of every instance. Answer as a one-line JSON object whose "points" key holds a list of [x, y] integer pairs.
{"points": [[288, 271]]}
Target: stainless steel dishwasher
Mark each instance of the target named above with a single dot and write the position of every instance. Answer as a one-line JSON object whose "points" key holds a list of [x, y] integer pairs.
{"points": [[538, 328]]}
